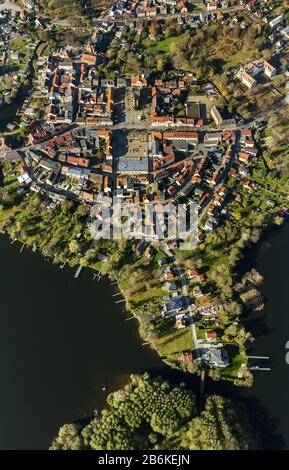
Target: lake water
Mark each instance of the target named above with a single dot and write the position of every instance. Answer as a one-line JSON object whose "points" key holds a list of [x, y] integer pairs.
{"points": [[62, 340], [271, 330]]}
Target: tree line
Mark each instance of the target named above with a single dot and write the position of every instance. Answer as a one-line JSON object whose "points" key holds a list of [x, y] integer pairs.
{"points": [[151, 413]]}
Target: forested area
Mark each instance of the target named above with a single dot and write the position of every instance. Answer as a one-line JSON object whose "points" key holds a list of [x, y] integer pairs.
{"points": [[150, 413]]}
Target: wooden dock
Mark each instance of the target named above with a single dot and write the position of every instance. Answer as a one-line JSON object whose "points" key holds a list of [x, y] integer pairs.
{"points": [[258, 357], [258, 367], [76, 275], [97, 276]]}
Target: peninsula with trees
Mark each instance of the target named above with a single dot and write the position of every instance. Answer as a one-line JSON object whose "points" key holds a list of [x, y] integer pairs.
{"points": [[154, 415]]}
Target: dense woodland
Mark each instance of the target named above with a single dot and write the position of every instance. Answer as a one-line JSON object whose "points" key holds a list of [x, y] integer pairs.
{"points": [[152, 414]]}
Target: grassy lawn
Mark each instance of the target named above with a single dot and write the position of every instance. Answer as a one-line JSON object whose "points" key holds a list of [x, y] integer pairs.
{"points": [[148, 294], [175, 342], [10, 179], [235, 361], [239, 58], [14, 133], [139, 262], [201, 333], [17, 44], [159, 255], [213, 262], [98, 265], [154, 265], [21, 45], [163, 46]]}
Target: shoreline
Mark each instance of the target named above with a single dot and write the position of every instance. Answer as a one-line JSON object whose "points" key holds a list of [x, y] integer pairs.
{"points": [[115, 283], [250, 396], [227, 389]]}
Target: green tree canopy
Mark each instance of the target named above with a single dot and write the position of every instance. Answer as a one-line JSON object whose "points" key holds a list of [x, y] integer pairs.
{"points": [[150, 413]]}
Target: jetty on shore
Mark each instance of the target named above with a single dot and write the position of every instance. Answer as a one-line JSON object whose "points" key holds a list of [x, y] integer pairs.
{"points": [[257, 367], [76, 275]]}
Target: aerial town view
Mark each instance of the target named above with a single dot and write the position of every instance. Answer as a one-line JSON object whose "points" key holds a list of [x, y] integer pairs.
{"points": [[144, 203]]}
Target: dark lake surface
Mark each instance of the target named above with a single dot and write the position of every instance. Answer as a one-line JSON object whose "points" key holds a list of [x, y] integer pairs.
{"points": [[62, 340], [271, 330]]}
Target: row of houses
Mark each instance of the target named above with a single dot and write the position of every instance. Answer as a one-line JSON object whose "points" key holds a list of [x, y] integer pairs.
{"points": [[154, 8], [76, 93]]}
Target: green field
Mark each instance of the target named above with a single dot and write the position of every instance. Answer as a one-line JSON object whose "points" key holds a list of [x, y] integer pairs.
{"points": [[236, 359], [238, 59], [175, 342], [162, 47]]}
